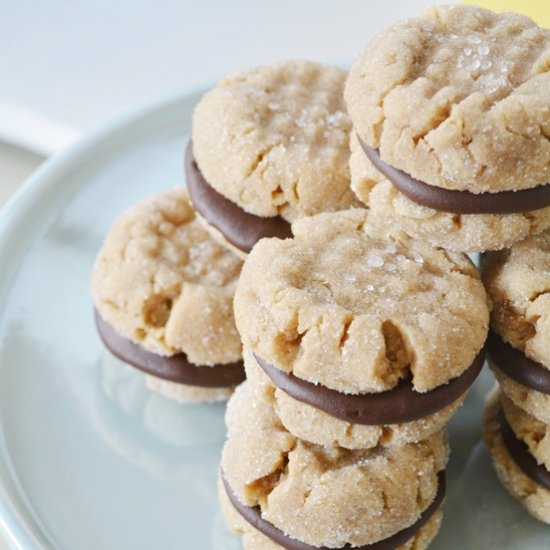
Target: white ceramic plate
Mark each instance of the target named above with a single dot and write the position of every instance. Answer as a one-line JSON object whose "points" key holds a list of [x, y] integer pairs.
{"points": [[89, 459]]}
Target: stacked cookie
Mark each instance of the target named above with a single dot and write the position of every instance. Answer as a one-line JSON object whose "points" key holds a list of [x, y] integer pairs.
{"points": [[450, 145], [450, 128], [163, 293], [517, 420], [357, 350], [269, 145]]}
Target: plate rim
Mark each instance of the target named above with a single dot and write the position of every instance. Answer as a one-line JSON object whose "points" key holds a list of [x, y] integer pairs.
{"points": [[32, 193]]}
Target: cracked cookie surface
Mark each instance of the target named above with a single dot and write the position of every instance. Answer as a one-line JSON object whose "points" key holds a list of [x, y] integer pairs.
{"points": [[325, 495], [458, 99], [518, 283], [391, 210], [163, 282], [357, 314], [534, 433], [275, 139], [316, 426]]}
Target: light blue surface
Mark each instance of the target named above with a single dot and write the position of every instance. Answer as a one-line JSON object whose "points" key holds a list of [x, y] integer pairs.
{"points": [[88, 458]]}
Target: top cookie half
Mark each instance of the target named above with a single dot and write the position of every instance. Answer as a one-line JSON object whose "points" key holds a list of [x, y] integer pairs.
{"points": [[275, 139], [160, 281], [518, 283], [459, 99], [356, 313]]}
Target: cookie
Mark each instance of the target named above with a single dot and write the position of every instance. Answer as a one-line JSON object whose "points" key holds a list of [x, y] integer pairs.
{"points": [[270, 145], [163, 292], [298, 418], [324, 496], [518, 447], [369, 331], [534, 433], [393, 211], [253, 539], [518, 281], [186, 393], [452, 110]]}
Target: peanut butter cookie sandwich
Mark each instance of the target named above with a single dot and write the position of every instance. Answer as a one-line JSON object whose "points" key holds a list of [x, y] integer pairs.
{"points": [[451, 126], [281, 492], [367, 341], [518, 283], [520, 449], [163, 293], [269, 145]]}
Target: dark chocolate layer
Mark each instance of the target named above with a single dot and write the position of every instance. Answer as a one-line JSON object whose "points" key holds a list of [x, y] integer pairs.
{"points": [[175, 368], [253, 515], [520, 454], [516, 365], [241, 229], [460, 202], [402, 404]]}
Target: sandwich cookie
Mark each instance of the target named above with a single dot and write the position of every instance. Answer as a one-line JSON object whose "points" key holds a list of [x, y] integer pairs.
{"points": [[269, 145], [518, 283], [520, 449], [281, 492], [163, 294], [368, 341], [450, 128]]}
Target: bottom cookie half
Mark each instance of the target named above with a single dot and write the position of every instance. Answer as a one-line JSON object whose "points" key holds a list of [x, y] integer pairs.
{"points": [[255, 540], [534, 497], [312, 424], [185, 393]]}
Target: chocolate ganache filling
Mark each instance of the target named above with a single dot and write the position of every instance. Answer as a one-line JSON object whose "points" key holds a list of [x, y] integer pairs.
{"points": [[175, 368], [253, 515], [241, 229], [520, 454], [516, 365], [396, 406], [460, 202]]}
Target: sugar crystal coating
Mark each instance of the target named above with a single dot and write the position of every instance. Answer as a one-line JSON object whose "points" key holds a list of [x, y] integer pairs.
{"points": [[335, 307], [457, 98], [162, 282], [534, 497], [518, 282], [325, 496], [274, 139]]}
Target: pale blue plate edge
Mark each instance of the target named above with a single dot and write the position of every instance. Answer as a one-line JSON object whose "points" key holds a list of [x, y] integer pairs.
{"points": [[41, 191]]}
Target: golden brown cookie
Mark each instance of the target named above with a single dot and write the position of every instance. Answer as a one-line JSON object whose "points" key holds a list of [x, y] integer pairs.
{"points": [[452, 109], [163, 291], [312, 424], [187, 393], [324, 496], [534, 433], [255, 540], [518, 450], [357, 314], [457, 98], [269, 145], [518, 282], [534, 402], [392, 211]]}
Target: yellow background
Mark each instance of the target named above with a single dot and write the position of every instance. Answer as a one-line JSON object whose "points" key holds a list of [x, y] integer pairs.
{"points": [[539, 10]]}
